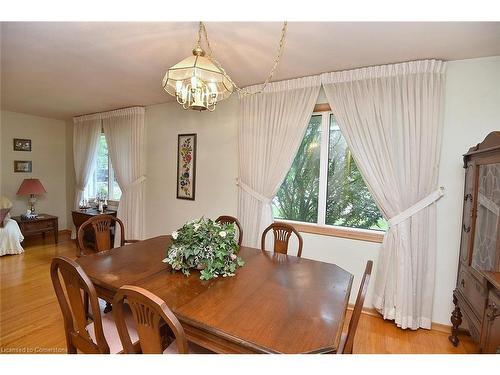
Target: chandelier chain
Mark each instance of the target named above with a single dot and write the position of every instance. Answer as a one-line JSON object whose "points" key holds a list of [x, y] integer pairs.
{"points": [[241, 91], [198, 42]]}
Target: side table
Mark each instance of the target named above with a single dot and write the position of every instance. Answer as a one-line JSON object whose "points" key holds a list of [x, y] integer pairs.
{"points": [[42, 224]]}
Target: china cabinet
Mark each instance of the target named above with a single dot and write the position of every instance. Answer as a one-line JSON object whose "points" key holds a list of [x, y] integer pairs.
{"points": [[477, 293]]}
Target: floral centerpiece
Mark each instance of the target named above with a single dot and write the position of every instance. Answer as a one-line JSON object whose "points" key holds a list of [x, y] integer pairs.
{"points": [[205, 245]]}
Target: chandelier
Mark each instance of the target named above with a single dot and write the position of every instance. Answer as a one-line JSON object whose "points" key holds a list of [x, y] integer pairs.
{"points": [[199, 82]]}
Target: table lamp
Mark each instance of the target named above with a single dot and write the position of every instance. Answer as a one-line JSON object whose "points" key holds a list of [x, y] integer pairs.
{"points": [[31, 187]]}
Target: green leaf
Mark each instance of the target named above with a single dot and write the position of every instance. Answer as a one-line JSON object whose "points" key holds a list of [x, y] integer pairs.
{"points": [[199, 243]]}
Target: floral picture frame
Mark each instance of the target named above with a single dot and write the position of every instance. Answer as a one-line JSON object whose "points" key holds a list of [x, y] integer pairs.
{"points": [[186, 166], [20, 144]]}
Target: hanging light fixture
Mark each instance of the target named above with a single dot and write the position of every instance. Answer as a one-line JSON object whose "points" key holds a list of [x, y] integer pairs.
{"points": [[196, 82], [199, 82]]}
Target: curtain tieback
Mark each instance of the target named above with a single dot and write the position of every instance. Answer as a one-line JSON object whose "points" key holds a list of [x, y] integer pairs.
{"points": [[80, 188], [252, 192], [135, 183], [417, 207]]}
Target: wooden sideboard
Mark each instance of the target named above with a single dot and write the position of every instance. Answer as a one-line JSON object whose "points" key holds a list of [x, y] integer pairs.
{"points": [[477, 293], [40, 225], [81, 216]]}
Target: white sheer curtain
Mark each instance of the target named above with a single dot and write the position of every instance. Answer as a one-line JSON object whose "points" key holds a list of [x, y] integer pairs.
{"points": [[125, 132], [86, 133], [391, 117], [271, 128]]}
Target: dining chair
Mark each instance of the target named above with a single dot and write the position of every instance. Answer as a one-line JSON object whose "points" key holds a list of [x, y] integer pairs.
{"points": [[282, 233], [97, 335], [150, 314], [101, 226], [347, 339], [232, 220]]}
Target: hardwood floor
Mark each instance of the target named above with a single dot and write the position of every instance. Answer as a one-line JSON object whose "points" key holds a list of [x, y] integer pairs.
{"points": [[31, 322]]}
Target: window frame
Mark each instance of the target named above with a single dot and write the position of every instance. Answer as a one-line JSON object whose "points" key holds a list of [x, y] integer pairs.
{"points": [[111, 176], [320, 227]]}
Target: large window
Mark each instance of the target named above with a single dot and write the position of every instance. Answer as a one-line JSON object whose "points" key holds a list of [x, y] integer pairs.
{"points": [[324, 185], [102, 183]]}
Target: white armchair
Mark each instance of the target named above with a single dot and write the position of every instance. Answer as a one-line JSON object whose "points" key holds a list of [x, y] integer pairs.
{"points": [[10, 234]]}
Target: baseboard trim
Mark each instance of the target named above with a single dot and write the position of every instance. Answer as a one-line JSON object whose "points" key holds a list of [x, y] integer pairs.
{"points": [[441, 327], [367, 310], [373, 312]]}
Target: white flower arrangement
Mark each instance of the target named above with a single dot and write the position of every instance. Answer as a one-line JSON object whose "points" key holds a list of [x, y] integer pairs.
{"points": [[206, 245]]}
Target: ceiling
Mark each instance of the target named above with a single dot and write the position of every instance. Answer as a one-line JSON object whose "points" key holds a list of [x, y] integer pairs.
{"points": [[63, 69]]}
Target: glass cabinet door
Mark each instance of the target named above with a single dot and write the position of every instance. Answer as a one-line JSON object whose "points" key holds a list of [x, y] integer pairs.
{"points": [[484, 255]]}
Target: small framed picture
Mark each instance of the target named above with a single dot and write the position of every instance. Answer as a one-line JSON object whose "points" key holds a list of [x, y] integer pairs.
{"points": [[186, 166], [22, 144], [22, 166]]}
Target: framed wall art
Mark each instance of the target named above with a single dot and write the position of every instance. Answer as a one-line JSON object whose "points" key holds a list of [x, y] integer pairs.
{"points": [[186, 166], [22, 166], [22, 144]]}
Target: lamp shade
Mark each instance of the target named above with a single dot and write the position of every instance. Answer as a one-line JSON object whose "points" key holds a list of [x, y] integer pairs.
{"points": [[31, 186], [203, 69]]}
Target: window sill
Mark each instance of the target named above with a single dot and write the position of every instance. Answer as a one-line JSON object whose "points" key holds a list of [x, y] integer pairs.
{"points": [[332, 231]]}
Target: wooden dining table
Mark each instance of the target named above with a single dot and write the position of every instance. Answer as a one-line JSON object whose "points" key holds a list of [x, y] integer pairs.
{"points": [[274, 304]]}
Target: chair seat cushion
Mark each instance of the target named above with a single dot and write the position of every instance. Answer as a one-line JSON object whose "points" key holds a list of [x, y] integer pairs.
{"points": [[111, 332], [192, 349]]}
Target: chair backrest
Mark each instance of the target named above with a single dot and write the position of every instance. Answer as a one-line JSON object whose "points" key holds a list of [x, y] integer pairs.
{"points": [[358, 307], [232, 220], [73, 305], [282, 233], [149, 312], [101, 226]]}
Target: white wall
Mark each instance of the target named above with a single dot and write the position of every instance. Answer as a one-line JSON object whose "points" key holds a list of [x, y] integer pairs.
{"points": [[48, 156], [471, 111], [216, 192], [216, 164]]}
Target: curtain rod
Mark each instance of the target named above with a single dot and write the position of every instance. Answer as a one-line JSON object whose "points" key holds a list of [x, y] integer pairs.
{"points": [[111, 110], [347, 70]]}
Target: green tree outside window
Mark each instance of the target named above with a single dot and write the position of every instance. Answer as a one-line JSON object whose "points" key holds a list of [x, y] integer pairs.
{"points": [[348, 201]]}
